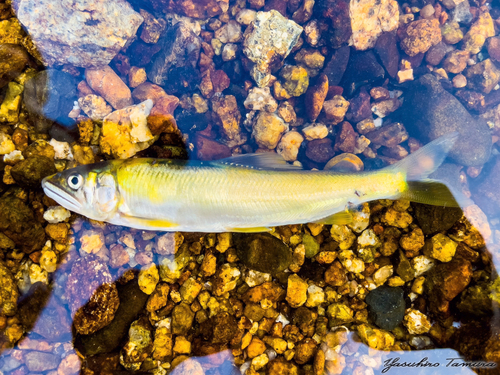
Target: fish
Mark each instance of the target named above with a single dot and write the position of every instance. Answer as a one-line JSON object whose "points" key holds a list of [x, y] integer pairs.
{"points": [[244, 193]]}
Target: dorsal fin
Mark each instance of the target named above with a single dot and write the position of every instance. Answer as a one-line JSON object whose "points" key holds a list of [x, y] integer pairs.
{"points": [[266, 160]]}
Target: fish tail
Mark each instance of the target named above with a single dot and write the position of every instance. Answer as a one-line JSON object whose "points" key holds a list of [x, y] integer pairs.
{"points": [[418, 166]]}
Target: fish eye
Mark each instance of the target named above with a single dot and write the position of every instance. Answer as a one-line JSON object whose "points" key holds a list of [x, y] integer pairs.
{"points": [[75, 181]]}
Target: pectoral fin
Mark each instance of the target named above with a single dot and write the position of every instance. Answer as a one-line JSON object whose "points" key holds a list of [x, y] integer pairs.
{"points": [[147, 224], [339, 218], [249, 230]]}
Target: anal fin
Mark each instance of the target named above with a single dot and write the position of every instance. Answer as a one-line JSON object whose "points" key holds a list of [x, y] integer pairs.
{"points": [[249, 230], [338, 218]]}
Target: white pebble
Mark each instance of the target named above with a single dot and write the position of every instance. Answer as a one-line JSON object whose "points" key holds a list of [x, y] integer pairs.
{"points": [[56, 214]]}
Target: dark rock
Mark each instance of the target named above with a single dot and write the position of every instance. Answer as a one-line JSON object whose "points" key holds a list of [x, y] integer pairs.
{"points": [[30, 172], [387, 50], [220, 329], [387, 306], [389, 135], [32, 304], [494, 48], [13, 59], [434, 219], [304, 318], [141, 53], [346, 138], [140, 342], [320, 150], [93, 299], [363, 68], [446, 281], [337, 11], [483, 76], [174, 66], [50, 95], [40, 361], [208, 149], [436, 53], [182, 319], [201, 9], [234, 70], [18, 222], [359, 107], [431, 112], [472, 100], [476, 300], [262, 252], [108, 339], [336, 65]]}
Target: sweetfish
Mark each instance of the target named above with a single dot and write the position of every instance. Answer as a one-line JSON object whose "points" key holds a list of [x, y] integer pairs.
{"points": [[245, 193]]}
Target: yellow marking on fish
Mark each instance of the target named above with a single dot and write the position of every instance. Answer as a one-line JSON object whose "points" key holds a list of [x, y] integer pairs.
{"points": [[249, 230], [151, 223], [340, 218]]}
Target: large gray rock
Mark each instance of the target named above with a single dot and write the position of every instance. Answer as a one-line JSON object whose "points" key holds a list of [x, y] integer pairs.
{"points": [[83, 33], [432, 112]]}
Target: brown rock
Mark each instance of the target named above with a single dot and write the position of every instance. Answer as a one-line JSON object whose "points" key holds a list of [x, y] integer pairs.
{"points": [[93, 299], [305, 351], [136, 76], [201, 9], [446, 281], [280, 366], [220, 329], [152, 27], [161, 118], [148, 90], [118, 256], [483, 76], [420, 35], [494, 48], [436, 53], [360, 107], [336, 275], [320, 150], [256, 347], [213, 81], [315, 96], [208, 149], [108, 84], [269, 290], [13, 59], [228, 118], [388, 135], [456, 61], [346, 138]]}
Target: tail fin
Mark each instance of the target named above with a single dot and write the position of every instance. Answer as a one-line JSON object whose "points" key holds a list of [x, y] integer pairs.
{"points": [[419, 165]]}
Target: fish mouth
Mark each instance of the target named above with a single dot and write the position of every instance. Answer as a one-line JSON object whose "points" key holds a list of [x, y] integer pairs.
{"points": [[60, 196]]}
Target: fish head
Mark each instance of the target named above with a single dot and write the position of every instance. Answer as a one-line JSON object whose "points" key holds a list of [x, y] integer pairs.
{"points": [[89, 190]]}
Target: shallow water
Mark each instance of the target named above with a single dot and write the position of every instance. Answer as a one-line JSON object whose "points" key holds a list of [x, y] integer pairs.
{"points": [[81, 296]]}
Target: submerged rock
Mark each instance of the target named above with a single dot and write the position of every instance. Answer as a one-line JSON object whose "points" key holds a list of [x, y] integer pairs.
{"points": [[30, 172], [387, 306], [8, 292], [268, 41], [262, 252], [180, 50], [432, 112], [13, 59], [84, 33]]}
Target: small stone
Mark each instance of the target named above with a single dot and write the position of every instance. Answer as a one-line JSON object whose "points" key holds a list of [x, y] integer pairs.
{"points": [[315, 131], [480, 30], [315, 97], [387, 306], [14, 58], [152, 28], [343, 235], [295, 81], [182, 319], [382, 274], [456, 61], [346, 138], [256, 347], [229, 52], [136, 76], [39, 361], [339, 314], [388, 135], [422, 264], [108, 84], [91, 241], [228, 118], [208, 149], [397, 219], [229, 33], [459, 81], [225, 279], [259, 99], [416, 322], [182, 345], [440, 247], [125, 132], [268, 41], [9, 110], [369, 19], [296, 293], [413, 241], [62, 150], [148, 90], [310, 59], [420, 35], [246, 16], [335, 275], [31, 171], [263, 252], [190, 290], [267, 130], [6, 144], [320, 150], [386, 107], [350, 262], [69, 365], [140, 343], [375, 338], [148, 278], [286, 112], [451, 32], [483, 76], [315, 296], [289, 145]]}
